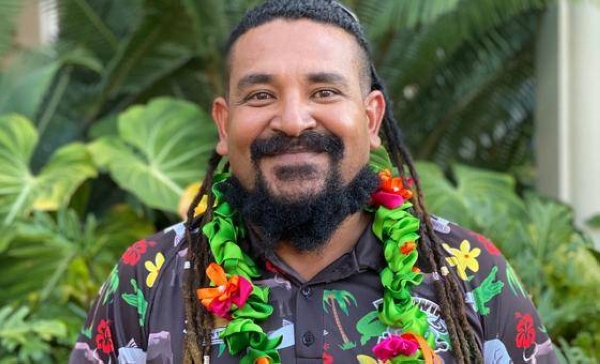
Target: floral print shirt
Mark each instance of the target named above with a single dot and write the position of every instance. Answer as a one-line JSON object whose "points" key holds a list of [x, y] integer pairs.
{"points": [[139, 315]]}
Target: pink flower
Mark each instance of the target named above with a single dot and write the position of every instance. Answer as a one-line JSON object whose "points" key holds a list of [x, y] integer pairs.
{"points": [[391, 192], [388, 200], [219, 299], [395, 345]]}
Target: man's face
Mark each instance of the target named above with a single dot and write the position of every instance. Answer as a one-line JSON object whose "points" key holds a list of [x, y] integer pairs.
{"points": [[292, 78]]}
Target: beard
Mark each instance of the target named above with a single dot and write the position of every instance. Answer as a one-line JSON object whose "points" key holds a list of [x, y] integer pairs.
{"points": [[307, 221]]}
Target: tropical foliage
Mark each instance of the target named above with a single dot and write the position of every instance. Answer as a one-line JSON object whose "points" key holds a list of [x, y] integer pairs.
{"points": [[101, 132]]}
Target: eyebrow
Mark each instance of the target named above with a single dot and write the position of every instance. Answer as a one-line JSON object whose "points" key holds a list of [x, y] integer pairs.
{"points": [[253, 79], [328, 77]]}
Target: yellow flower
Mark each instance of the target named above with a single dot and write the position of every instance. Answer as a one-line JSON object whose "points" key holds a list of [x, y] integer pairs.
{"points": [[153, 269], [463, 258], [186, 199]]}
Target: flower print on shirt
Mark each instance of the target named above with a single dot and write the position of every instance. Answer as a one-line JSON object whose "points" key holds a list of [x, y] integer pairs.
{"points": [[104, 340], [525, 330], [133, 254], [153, 268], [463, 258]]}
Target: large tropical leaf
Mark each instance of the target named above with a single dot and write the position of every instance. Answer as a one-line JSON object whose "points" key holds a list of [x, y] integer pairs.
{"points": [[162, 148], [488, 193], [21, 190], [25, 83], [62, 258]]}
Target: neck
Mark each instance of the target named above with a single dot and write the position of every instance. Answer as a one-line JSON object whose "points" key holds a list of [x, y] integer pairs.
{"points": [[343, 239]]}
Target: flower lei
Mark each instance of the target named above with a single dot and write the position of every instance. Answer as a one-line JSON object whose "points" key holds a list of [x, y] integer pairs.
{"points": [[233, 296]]}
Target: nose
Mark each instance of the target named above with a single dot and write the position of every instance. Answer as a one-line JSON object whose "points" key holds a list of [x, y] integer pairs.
{"points": [[293, 117]]}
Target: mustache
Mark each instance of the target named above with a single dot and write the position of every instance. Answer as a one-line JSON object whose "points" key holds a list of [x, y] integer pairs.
{"points": [[310, 141]]}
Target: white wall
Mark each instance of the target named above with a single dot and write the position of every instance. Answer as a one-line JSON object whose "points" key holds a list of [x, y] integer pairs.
{"points": [[568, 108]]}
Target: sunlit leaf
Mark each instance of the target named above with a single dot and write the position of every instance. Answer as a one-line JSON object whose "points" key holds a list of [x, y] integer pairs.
{"points": [[21, 190], [162, 148]]}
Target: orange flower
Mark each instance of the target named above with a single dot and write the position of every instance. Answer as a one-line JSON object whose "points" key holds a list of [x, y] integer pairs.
{"points": [[408, 247], [393, 184], [219, 299], [262, 360]]}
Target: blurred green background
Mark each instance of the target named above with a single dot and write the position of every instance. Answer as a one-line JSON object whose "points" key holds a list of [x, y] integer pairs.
{"points": [[103, 128]]}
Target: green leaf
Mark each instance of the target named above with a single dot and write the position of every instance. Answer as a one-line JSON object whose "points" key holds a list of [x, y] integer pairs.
{"points": [[593, 221], [25, 338], [443, 198], [20, 189], [380, 159], [478, 198], [25, 84], [162, 148]]}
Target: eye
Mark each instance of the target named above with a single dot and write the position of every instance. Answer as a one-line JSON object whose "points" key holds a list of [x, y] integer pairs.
{"points": [[325, 93], [260, 96]]}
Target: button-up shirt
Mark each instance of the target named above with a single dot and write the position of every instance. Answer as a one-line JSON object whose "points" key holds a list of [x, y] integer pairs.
{"points": [[332, 318]]}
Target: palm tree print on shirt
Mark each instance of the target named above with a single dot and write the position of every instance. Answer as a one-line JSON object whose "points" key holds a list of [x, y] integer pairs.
{"points": [[341, 298]]}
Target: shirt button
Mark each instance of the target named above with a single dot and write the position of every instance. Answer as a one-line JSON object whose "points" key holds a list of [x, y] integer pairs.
{"points": [[306, 292], [308, 338]]}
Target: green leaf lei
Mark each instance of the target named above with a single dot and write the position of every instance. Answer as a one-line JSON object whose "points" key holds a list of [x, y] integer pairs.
{"points": [[393, 227]]}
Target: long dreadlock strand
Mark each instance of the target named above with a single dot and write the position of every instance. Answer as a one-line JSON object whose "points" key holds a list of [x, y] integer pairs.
{"points": [[455, 294], [198, 322], [451, 298], [468, 343], [425, 250]]}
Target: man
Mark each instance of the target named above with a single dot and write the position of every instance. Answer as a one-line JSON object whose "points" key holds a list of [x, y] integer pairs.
{"points": [[310, 249]]}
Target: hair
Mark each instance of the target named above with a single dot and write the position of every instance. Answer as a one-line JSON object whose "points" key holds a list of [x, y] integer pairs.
{"points": [[198, 321]]}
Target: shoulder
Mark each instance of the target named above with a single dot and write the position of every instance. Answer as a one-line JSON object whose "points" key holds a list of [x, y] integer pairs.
{"points": [[460, 242], [476, 262], [148, 255]]}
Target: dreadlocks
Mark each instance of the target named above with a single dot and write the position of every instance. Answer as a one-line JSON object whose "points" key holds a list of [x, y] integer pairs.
{"points": [[450, 297]]}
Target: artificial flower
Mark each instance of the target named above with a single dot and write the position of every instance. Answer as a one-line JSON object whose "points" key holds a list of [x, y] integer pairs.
{"points": [[463, 258], [262, 360], [395, 345], [219, 299], [408, 247], [391, 193]]}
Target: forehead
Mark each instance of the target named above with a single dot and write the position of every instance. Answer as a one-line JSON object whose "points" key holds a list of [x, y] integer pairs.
{"points": [[294, 46]]}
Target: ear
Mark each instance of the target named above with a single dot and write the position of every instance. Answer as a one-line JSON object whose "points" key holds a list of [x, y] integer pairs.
{"points": [[219, 114], [375, 110]]}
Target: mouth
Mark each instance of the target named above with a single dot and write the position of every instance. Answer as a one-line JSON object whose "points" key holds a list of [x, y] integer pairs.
{"points": [[294, 156]]}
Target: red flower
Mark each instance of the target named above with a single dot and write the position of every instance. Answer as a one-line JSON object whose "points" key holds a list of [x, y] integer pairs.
{"points": [[391, 192], [525, 331], [327, 358], [133, 254], [489, 246], [104, 337]]}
